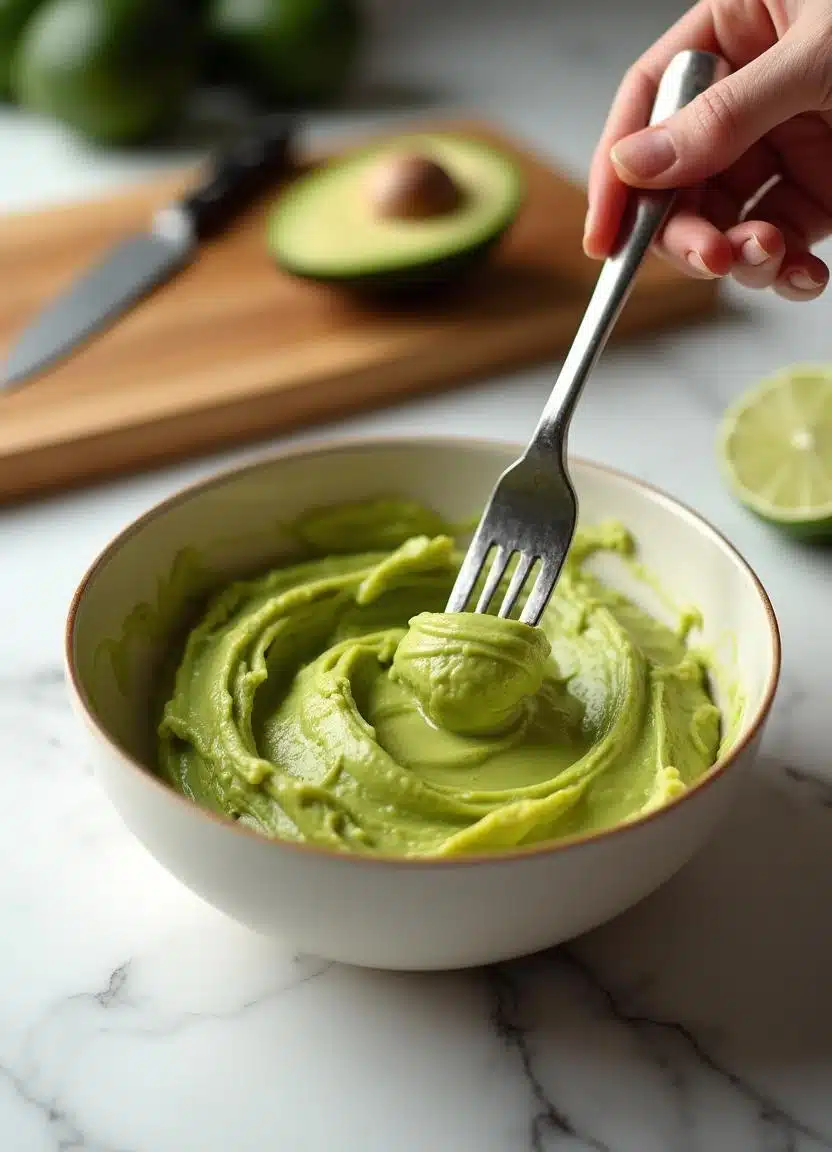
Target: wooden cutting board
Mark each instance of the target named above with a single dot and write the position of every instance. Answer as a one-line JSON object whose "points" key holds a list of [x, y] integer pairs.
{"points": [[232, 349]]}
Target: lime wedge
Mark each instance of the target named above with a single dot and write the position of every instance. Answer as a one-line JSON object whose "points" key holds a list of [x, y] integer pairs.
{"points": [[775, 449]]}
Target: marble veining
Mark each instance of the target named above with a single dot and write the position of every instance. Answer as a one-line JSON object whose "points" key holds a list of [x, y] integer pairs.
{"points": [[136, 1019], [700, 1016], [547, 1120], [678, 1055]]}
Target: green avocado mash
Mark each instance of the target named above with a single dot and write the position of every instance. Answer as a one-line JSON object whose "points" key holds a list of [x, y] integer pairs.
{"points": [[334, 702]]}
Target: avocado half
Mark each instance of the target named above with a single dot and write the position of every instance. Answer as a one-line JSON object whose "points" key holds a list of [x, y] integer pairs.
{"points": [[420, 209]]}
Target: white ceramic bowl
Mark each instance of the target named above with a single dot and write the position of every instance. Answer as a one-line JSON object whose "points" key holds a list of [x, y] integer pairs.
{"points": [[417, 914]]}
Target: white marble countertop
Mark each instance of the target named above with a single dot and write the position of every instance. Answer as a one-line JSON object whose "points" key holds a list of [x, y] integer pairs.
{"points": [[136, 1019]]}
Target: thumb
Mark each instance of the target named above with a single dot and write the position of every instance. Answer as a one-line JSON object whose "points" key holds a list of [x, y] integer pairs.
{"points": [[722, 123]]}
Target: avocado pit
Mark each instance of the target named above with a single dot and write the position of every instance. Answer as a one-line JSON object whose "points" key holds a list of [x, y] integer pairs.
{"points": [[410, 186]]}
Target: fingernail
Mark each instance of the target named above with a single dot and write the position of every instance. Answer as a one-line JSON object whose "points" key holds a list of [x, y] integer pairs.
{"points": [[646, 154], [589, 249], [754, 253], [587, 233], [803, 282], [696, 261]]}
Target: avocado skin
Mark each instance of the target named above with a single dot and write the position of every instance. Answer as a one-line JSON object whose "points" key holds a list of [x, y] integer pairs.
{"points": [[117, 71], [14, 16], [412, 281], [284, 53]]}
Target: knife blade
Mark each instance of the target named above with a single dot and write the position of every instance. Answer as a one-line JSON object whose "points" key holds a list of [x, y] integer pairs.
{"points": [[135, 266]]}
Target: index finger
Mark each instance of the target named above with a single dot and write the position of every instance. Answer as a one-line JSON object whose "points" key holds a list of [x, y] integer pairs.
{"points": [[630, 111]]}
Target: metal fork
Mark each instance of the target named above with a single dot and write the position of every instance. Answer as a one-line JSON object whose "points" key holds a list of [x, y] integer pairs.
{"points": [[534, 508]]}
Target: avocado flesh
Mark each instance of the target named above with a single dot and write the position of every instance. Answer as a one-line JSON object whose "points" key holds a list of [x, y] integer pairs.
{"points": [[326, 226]]}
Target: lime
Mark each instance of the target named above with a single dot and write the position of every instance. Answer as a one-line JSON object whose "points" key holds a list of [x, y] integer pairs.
{"points": [[14, 15], [287, 52], [116, 70], [775, 448]]}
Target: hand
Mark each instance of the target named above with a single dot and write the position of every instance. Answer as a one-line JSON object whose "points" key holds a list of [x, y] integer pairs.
{"points": [[753, 153]]}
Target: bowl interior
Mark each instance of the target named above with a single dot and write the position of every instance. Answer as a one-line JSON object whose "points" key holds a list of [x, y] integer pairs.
{"points": [[135, 604]]}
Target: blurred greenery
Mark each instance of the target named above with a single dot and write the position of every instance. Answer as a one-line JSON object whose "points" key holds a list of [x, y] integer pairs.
{"points": [[122, 71]]}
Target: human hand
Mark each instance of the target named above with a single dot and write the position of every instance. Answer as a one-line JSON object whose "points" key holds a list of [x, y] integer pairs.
{"points": [[753, 154]]}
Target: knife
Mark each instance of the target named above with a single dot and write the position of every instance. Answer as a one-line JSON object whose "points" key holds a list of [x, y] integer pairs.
{"points": [[140, 263]]}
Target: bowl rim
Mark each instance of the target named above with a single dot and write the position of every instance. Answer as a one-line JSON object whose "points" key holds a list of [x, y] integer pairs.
{"points": [[326, 446]]}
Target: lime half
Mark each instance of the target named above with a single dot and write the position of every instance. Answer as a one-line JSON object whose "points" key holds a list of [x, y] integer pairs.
{"points": [[775, 448]]}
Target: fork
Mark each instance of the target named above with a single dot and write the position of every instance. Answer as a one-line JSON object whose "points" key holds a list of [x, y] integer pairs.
{"points": [[533, 508]]}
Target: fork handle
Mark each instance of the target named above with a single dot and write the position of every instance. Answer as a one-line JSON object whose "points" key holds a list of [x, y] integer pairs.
{"points": [[688, 74]]}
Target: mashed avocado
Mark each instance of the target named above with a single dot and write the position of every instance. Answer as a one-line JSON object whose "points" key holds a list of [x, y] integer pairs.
{"points": [[334, 702]]}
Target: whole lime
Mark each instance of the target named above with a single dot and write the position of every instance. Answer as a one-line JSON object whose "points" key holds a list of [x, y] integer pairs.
{"points": [[14, 16], [118, 71], [285, 52]]}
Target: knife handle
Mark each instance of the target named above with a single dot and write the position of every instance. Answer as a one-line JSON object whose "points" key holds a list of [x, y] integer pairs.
{"points": [[237, 175]]}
